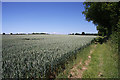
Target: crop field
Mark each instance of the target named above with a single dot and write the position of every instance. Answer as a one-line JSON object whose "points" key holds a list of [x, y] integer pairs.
{"points": [[27, 56]]}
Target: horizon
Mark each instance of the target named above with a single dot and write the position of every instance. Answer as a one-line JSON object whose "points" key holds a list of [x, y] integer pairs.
{"points": [[47, 32], [50, 17]]}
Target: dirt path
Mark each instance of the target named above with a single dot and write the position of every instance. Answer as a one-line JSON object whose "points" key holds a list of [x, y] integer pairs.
{"points": [[78, 69]]}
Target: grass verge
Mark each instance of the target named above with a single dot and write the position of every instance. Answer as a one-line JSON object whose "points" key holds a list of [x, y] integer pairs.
{"points": [[82, 55], [104, 63]]}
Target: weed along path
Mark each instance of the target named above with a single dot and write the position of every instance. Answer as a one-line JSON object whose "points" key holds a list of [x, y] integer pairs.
{"points": [[78, 69]]}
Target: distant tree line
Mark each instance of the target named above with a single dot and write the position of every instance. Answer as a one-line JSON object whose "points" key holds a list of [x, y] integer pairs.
{"points": [[83, 33], [40, 33], [25, 33]]}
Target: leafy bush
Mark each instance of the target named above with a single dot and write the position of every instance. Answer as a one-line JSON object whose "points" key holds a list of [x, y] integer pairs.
{"points": [[100, 39]]}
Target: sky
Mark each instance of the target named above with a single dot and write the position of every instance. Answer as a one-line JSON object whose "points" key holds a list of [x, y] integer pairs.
{"points": [[50, 17]]}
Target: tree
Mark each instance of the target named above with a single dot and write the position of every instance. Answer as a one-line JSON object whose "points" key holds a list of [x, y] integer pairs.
{"points": [[10, 33], [77, 33], [101, 31], [105, 15], [3, 33], [83, 33]]}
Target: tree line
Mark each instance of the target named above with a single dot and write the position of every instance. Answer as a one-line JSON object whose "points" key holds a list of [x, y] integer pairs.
{"points": [[105, 15], [23, 33], [83, 33]]}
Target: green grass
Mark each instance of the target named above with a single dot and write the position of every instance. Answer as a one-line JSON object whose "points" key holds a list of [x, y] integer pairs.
{"points": [[82, 55], [104, 63]]}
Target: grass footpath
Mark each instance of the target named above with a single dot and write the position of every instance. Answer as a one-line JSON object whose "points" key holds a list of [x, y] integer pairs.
{"points": [[103, 63]]}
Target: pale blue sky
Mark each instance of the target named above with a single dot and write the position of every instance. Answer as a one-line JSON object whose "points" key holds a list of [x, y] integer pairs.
{"points": [[51, 17]]}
